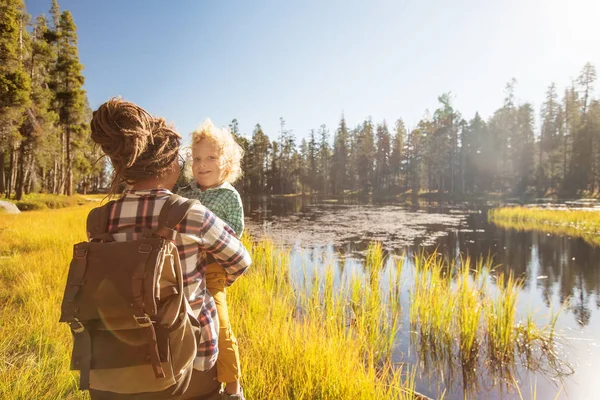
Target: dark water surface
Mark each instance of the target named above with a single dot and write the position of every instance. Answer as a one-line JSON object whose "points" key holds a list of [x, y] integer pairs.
{"points": [[556, 271]]}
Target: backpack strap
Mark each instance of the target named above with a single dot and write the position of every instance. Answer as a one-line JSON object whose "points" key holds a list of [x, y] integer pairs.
{"points": [[97, 223], [172, 213]]}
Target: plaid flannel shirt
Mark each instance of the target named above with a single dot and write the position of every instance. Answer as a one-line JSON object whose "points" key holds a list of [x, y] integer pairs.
{"points": [[223, 200], [199, 232]]}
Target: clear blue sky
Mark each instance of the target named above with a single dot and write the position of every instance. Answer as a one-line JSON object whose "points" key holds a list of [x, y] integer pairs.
{"points": [[308, 61]]}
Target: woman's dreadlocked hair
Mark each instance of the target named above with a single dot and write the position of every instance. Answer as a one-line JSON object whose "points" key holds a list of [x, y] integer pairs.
{"points": [[139, 145]]}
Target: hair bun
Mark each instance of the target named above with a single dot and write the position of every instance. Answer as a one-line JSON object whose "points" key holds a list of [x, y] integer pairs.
{"points": [[139, 145], [123, 130]]}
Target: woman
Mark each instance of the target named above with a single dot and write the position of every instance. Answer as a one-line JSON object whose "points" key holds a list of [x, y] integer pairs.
{"points": [[144, 152]]}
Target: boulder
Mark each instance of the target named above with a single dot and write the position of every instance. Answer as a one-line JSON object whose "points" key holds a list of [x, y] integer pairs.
{"points": [[9, 207]]}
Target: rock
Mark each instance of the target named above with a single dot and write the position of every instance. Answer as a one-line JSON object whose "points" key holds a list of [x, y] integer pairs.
{"points": [[9, 207]]}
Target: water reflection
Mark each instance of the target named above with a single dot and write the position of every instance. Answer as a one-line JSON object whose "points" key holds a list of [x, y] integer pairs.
{"points": [[564, 266]]}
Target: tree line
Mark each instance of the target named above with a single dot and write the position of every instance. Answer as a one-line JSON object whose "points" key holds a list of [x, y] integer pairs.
{"points": [[45, 144], [444, 153]]}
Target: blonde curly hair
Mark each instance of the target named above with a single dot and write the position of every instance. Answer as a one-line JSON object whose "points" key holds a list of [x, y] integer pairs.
{"points": [[230, 152]]}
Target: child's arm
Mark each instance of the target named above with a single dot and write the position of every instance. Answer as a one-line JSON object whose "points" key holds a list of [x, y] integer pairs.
{"points": [[233, 213], [211, 234]]}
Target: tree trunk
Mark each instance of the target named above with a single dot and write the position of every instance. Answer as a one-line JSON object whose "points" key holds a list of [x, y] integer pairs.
{"points": [[29, 173], [20, 179], [69, 177], [2, 177], [55, 178], [43, 186], [62, 175], [12, 171], [593, 164]]}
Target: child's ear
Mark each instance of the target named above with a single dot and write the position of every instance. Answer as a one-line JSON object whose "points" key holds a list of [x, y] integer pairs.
{"points": [[227, 168]]}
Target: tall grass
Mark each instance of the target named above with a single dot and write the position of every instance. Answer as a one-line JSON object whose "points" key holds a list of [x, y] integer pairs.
{"points": [[577, 223], [500, 318], [294, 344], [35, 248], [462, 323], [470, 308]]}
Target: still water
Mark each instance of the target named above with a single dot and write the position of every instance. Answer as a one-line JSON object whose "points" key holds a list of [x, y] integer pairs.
{"points": [[557, 271]]}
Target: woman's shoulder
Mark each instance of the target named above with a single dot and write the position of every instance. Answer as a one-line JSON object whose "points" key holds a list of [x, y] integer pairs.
{"points": [[195, 218]]}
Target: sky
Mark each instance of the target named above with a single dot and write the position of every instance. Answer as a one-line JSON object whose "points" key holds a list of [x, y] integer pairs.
{"points": [[311, 61]]}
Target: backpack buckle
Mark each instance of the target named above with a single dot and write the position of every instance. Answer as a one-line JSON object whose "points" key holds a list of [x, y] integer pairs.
{"points": [[145, 248], [143, 321], [80, 253], [77, 326]]}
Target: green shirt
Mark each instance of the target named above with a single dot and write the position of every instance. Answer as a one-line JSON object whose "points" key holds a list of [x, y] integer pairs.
{"points": [[222, 200]]}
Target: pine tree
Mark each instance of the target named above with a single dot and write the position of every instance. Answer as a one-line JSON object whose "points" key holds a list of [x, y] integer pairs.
{"points": [[38, 147], [340, 159], [397, 155], [414, 157], [304, 173], [260, 157], [324, 160], [586, 80], [14, 83], [246, 163], [548, 139], [593, 120], [463, 135], [55, 13], [273, 174], [479, 156], [382, 158], [502, 128], [313, 160], [70, 96], [365, 156], [523, 153], [443, 146], [581, 171], [354, 135], [571, 122]]}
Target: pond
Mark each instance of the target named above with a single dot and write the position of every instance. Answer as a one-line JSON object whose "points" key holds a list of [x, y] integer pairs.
{"points": [[558, 273]]}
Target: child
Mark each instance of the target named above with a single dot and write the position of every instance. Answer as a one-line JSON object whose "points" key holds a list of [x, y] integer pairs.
{"points": [[216, 165]]}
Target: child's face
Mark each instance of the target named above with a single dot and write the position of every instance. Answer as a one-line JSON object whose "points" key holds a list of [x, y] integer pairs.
{"points": [[207, 165]]}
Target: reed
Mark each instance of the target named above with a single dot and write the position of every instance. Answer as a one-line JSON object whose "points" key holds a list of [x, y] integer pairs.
{"points": [[469, 293], [459, 316], [432, 304], [500, 317]]}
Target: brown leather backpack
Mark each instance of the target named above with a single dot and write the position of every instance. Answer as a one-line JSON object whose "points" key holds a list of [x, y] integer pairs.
{"points": [[124, 301]]}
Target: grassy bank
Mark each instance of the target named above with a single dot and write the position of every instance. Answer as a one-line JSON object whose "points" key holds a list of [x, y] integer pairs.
{"points": [[44, 201], [576, 223]]}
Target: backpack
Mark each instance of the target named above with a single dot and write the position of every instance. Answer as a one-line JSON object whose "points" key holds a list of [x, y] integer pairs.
{"points": [[133, 329]]}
